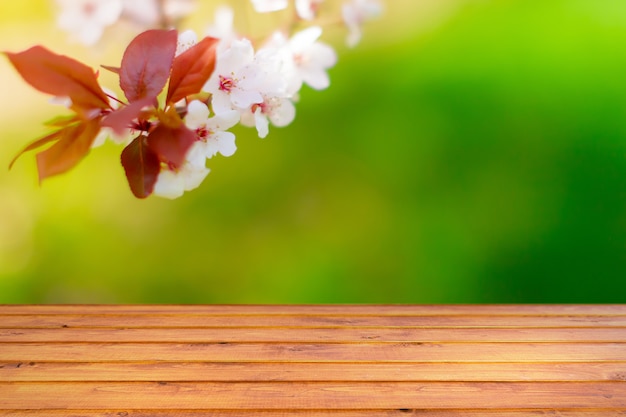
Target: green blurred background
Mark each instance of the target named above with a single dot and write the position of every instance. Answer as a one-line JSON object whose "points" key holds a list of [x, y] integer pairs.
{"points": [[466, 152]]}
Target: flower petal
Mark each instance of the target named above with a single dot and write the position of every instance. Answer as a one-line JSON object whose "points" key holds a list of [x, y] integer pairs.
{"points": [[283, 113], [261, 122], [197, 114]]}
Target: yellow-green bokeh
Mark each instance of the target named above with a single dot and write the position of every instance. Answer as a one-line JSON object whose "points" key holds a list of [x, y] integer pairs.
{"points": [[466, 151]]}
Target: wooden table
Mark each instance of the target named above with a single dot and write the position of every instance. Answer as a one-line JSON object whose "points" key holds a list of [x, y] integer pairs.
{"points": [[335, 361]]}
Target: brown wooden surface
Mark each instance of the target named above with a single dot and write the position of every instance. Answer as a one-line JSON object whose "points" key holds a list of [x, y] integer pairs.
{"points": [[333, 361]]}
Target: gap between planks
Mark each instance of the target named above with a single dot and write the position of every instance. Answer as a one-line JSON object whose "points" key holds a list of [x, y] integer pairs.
{"points": [[404, 412]]}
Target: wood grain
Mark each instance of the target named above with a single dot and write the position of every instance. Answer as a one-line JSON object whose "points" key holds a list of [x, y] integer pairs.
{"points": [[331, 360], [14, 321], [311, 395], [309, 335], [307, 371], [292, 352]]}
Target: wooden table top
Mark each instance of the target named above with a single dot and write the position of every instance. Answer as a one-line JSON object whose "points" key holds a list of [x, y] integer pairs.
{"points": [[323, 360]]}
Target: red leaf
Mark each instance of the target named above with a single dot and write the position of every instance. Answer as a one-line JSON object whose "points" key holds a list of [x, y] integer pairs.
{"points": [[114, 70], [171, 143], [73, 145], [142, 167], [147, 63], [121, 119], [63, 121], [36, 144], [60, 76], [192, 69]]}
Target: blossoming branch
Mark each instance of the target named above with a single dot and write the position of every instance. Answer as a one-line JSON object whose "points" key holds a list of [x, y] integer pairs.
{"points": [[181, 94]]}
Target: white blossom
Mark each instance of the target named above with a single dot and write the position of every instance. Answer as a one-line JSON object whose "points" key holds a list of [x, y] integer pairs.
{"points": [[64, 101], [153, 13], [264, 6], [186, 40], [108, 133], [142, 12], [278, 110], [211, 139], [177, 9], [237, 81], [223, 27], [86, 19], [355, 13], [303, 59], [307, 9], [312, 58], [173, 183], [274, 104], [254, 88], [211, 134]]}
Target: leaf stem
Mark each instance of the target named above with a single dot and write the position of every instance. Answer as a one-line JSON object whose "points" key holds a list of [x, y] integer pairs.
{"points": [[115, 99]]}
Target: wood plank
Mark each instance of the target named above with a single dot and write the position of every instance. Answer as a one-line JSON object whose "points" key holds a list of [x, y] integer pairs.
{"points": [[311, 335], [333, 361], [290, 352], [317, 413], [250, 372], [322, 310], [207, 321], [311, 395]]}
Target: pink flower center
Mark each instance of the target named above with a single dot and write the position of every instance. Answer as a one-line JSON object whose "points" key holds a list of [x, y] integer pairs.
{"points": [[263, 106], [170, 166], [226, 84], [142, 125], [299, 59], [314, 7], [89, 9], [202, 133]]}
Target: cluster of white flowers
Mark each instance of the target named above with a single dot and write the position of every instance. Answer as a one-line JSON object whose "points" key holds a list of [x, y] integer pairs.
{"points": [[254, 88], [255, 85], [86, 20], [354, 12]]}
